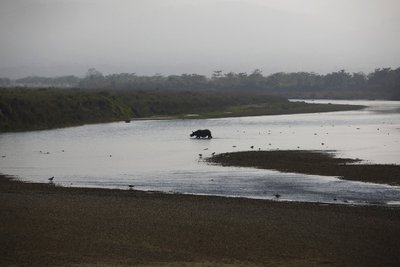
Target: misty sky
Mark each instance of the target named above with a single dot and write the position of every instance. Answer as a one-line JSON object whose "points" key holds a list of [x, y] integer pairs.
{"points": [[61, 37]]}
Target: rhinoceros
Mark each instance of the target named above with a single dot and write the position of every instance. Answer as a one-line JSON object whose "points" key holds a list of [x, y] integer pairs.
{"points": [[201, 134]]}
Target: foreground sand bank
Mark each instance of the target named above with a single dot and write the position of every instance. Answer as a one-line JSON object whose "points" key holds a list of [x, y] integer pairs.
{"points": [[48, 225]]}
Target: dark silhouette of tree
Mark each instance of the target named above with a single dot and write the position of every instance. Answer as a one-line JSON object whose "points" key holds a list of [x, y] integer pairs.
{"points": [[382, 83]]}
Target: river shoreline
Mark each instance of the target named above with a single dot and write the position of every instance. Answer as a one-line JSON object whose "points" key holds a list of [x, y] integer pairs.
{"points": [[43, 224]]}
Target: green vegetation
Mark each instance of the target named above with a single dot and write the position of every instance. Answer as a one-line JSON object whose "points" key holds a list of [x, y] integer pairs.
{"points": [[311, 162], [43, 109], [33, 109]]}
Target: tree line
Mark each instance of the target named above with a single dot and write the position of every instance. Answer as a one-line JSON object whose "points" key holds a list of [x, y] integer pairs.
{"points": [[383, 83]]}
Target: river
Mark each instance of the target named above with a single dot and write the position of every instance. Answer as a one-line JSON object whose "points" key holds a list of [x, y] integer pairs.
{"points": [[159, 155]]}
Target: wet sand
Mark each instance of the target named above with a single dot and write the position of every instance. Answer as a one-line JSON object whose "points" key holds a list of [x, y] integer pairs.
{"points": [[44, 224], [312, 162]]}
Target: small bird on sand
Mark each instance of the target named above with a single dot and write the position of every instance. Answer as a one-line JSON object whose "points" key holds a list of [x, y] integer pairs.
{"points": [[213, 153], [200, 155], [277, 196], [252, 147], [51, 179], [131, 186]]}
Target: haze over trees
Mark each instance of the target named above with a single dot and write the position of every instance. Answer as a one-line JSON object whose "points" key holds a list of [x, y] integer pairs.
{"points": [[383, 83]]}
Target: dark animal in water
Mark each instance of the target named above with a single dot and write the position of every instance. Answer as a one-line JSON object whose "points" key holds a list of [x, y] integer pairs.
{"points": [[201, 134]]}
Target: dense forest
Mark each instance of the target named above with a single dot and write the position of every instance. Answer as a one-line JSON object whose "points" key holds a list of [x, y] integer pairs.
{"points": [[34, 109], [381, 84]]}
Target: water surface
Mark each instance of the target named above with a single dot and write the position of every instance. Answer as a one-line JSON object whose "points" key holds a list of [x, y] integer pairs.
{"points": [[159, 155]]}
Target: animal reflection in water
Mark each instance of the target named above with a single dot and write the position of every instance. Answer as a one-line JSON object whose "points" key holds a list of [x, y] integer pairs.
{"points": [[201, 134]]}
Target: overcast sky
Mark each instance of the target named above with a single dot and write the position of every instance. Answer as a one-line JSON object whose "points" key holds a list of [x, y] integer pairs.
{"points": [[60, 37]]}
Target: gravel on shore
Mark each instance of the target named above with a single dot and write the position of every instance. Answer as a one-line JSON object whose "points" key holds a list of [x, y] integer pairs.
{"points": [[47, 225]]}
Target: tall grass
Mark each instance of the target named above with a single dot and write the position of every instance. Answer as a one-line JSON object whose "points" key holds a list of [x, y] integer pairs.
{"points": [[33, 109]]}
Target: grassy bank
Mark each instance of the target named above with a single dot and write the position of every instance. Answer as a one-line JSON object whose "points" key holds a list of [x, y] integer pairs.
{"points": [[35, 109], [42, 225], [25, 109], [312, 162], [275, 109]]}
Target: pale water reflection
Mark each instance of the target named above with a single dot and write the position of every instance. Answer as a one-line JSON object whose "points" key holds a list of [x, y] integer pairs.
{"points": [[159, 155]]}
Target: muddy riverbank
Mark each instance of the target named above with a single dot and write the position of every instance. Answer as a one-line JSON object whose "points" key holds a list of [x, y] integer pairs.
{"points": [[312, 162], [43, 224]]}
